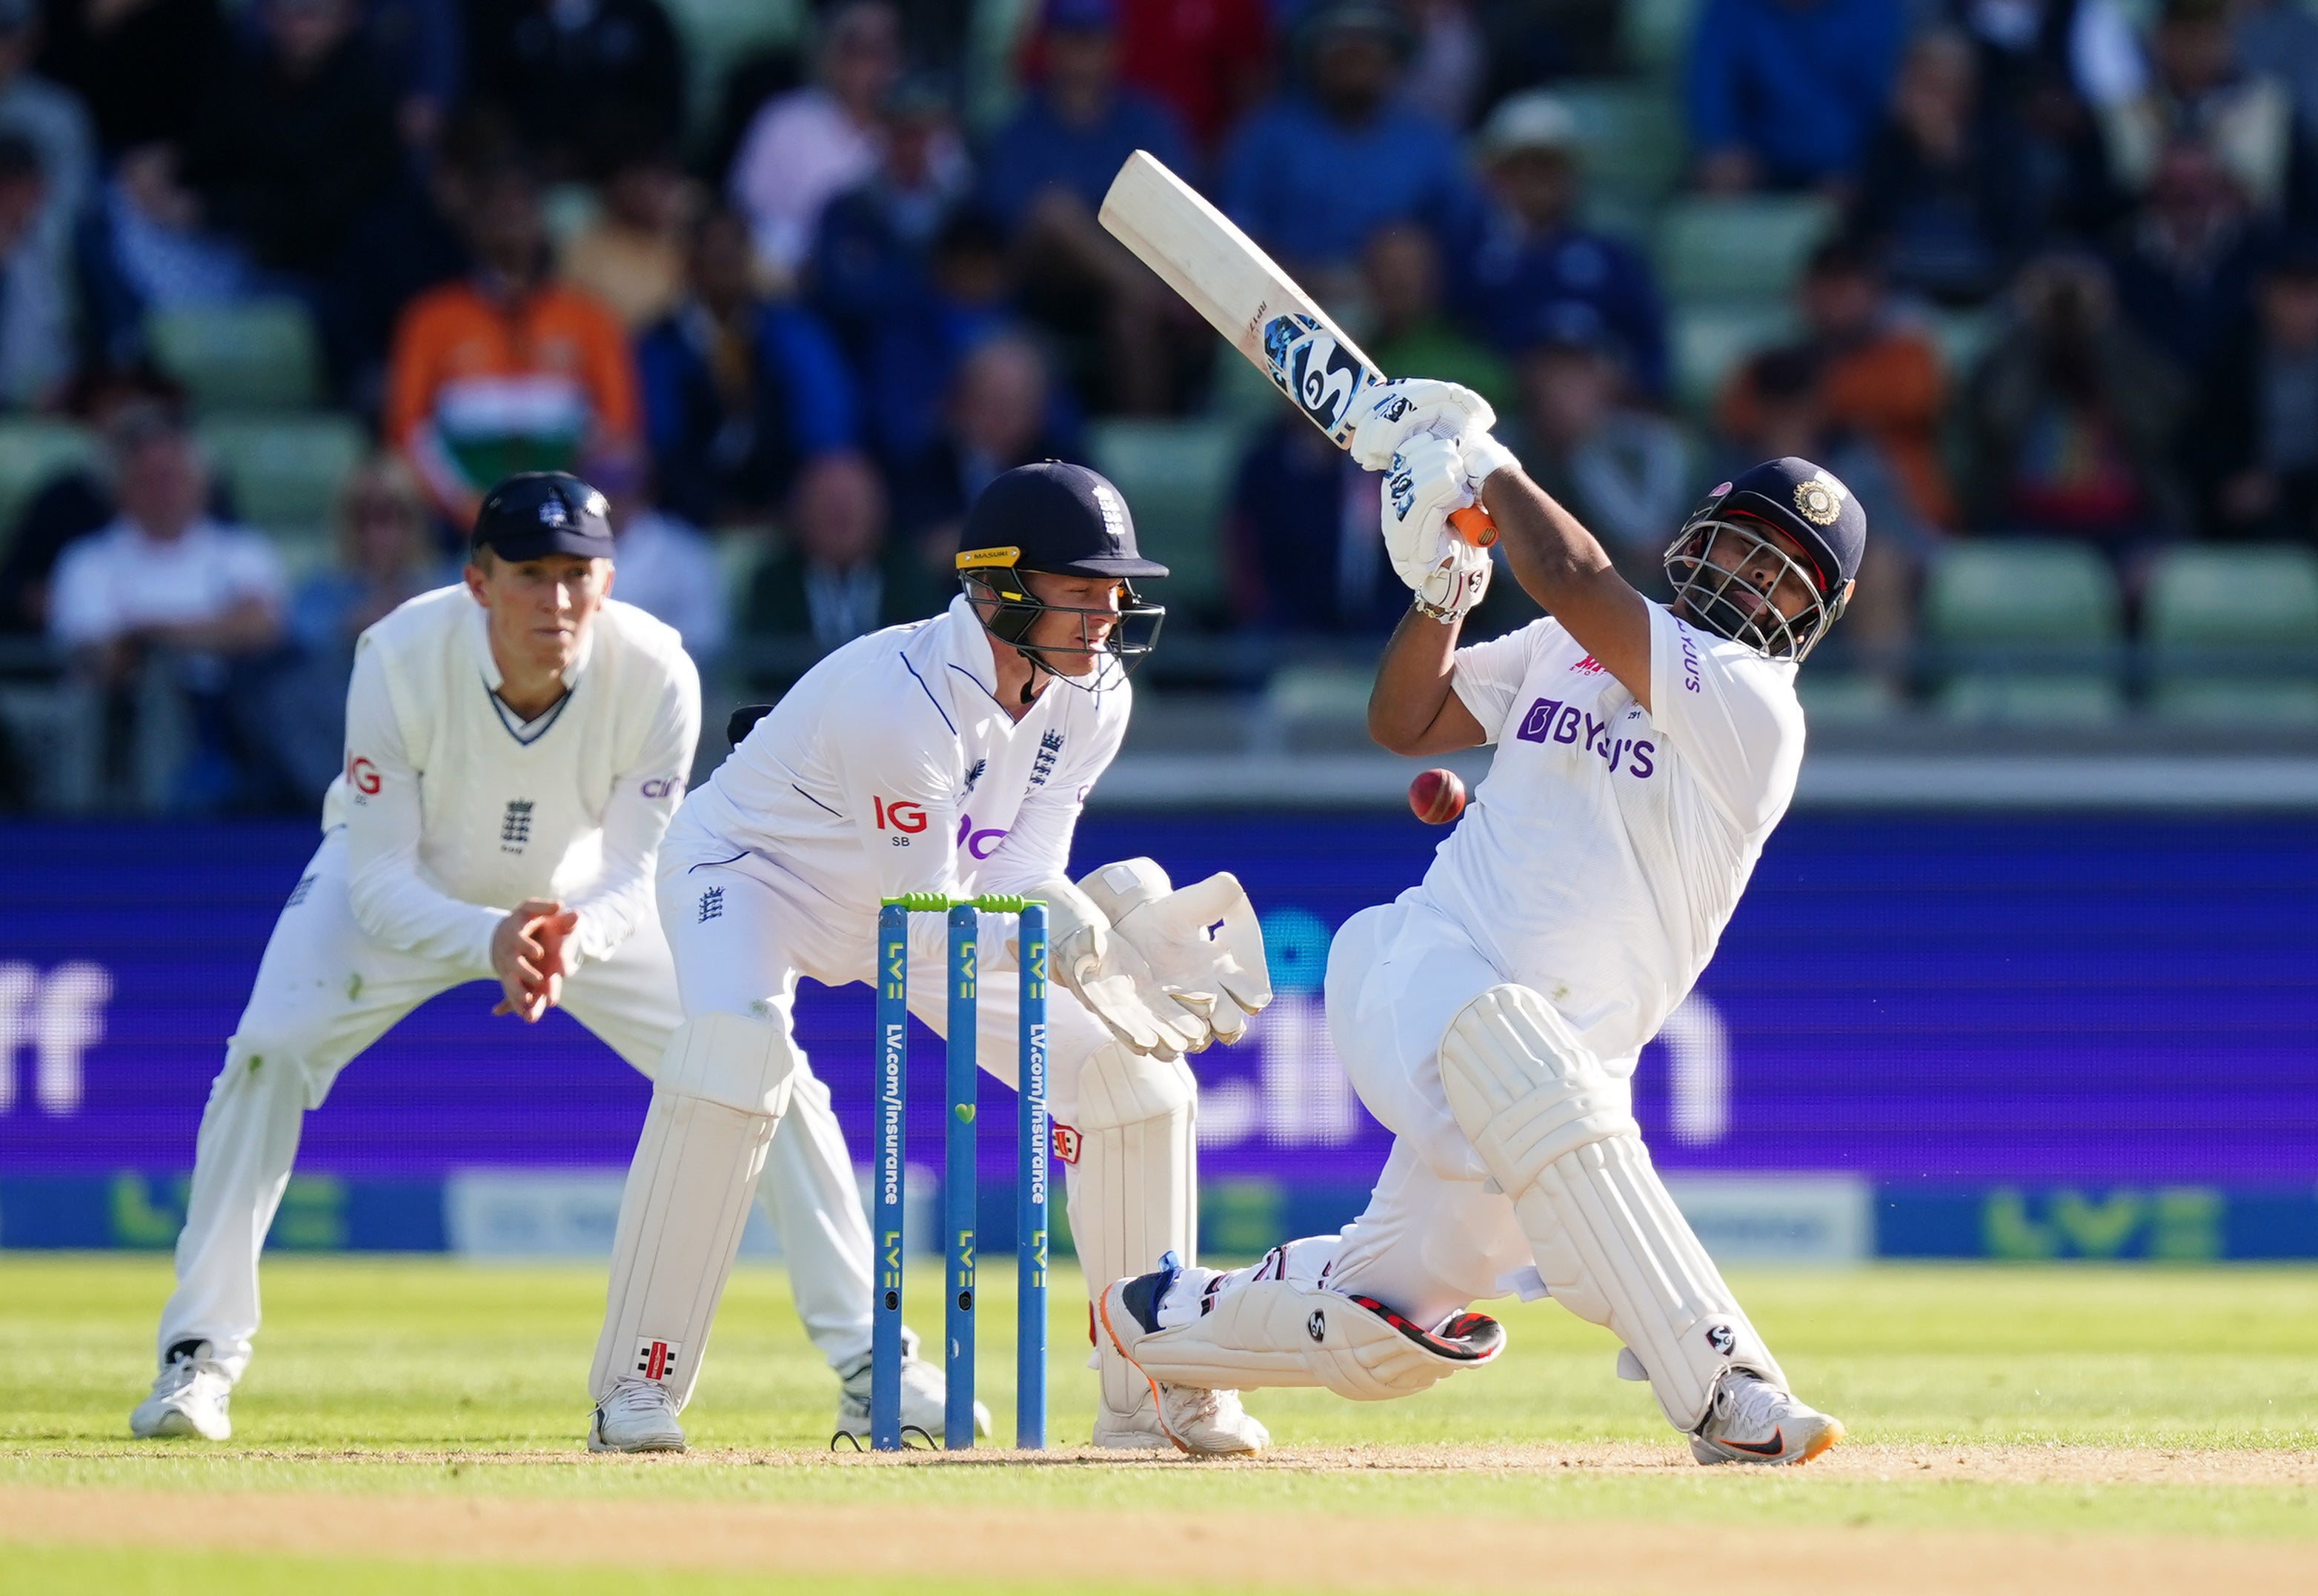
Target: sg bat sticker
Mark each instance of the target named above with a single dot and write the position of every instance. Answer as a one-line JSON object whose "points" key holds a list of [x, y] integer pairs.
{"points": [[1320, 374]]}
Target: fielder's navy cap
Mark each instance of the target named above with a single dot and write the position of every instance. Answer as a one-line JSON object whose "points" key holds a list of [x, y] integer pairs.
{"points": [[1053, 517], [535, 514], [1808, 502]]}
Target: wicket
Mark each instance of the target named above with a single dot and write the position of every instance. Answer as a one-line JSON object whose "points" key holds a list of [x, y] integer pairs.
{"points": [[960, 1178]]}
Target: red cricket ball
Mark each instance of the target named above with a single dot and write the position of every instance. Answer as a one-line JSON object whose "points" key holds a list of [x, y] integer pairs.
{"points": [[1436, 796]]}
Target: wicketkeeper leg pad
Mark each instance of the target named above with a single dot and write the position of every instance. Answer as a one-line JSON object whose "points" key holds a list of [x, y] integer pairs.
{"points": [[721, 1091], [1274, 1332], [1132, 1184], [1556, 1130]]}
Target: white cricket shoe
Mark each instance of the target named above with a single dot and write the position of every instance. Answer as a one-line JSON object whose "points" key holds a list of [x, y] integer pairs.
{"points": [[1192, 1420], [925, 1398], [1752, 1420], [639, 1416], [189, 1397]]}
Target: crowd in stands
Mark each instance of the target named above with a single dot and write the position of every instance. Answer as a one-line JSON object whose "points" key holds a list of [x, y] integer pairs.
{"points": [[2059, 281]]}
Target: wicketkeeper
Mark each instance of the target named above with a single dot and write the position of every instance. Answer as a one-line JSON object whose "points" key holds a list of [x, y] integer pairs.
{"points": [[1492, 1015], [948, 757]]}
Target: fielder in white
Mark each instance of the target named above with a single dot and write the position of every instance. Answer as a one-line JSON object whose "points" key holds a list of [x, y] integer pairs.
{"points": [[1491, 1016], [515, 747], [949, 757]]}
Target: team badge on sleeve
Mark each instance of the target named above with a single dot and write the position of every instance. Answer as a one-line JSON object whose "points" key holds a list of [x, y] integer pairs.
{"points": [[1067, 1143], [657, 1360]]}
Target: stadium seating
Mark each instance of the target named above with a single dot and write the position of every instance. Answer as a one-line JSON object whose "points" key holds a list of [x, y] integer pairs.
{"points": [[2233, 634], [2025, 632], [1750, 248], [718, 34], [1177, 475], [261, 354], [33, 449], [1632, 139], [285, 471], [1708, 340], [1656, 33]]}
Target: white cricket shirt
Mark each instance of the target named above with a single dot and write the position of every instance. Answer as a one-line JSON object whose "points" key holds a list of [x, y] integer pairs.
{"points": [[1602, 856], [455, 812], [892, 767]]}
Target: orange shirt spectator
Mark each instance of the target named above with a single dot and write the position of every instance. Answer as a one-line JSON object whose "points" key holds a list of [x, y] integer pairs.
{"points": [[1882, 382], [506, 370]]}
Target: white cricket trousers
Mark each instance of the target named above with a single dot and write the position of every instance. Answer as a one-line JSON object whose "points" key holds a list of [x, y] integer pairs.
{"points": [[1436, 1236], [326, 991]]}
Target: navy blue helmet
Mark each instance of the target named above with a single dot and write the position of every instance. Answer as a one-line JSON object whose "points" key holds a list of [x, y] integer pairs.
{"points": [[1725, 570]]}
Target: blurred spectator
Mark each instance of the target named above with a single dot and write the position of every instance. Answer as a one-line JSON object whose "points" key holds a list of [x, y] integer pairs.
{"points": [[386, 554], [1528, 260], [1300, 540], [1313, 175], [662, 565], [164, 589], [631, 257], [1942, 195], [1622, 471], [52, 118], [2071, 419], [73, 502], [420, 50], [1526, 42], [998, 414], [36, 353], [808, 145], [2198, 92], [406, 245], [2049, 69], [1876, 376], [838, 575], [2183, 264], [1408, 331], [149, 247], [906, 323], [294, 140], [137, 64], [1784, 94], [504, 370], [1209, 59], [738, 390], [1788, 413], [2252, 446], [2279, 38], [1048, 171], [1446, 66], [560, 67]]}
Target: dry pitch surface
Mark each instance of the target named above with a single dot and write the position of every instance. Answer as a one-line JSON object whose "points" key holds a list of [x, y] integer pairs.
{"points": [[410, 1425]]}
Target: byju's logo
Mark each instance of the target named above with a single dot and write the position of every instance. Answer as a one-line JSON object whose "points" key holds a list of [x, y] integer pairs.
{"points": [[57, 1017]]}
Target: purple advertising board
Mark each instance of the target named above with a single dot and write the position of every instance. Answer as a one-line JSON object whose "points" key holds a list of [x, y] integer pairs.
{"points": [[1935, 1000]]}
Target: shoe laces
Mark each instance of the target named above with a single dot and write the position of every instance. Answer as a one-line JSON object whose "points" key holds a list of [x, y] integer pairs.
{"points": [[633, 1394], [1746, 1403], [1198, 1403], [186, 1374]]}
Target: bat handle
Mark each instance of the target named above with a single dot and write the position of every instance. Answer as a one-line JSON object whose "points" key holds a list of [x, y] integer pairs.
{"points": [[1473, 524]]}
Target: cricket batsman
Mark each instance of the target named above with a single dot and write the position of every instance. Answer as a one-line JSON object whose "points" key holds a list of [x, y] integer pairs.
{"points": [[515, 747], [1491, 1016], [951, 756]]}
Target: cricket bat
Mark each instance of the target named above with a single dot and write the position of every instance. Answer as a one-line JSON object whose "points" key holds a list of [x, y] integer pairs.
{"points": [[1244, 295]]}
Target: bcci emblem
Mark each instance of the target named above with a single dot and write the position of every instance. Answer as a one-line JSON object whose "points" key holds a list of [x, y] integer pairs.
{"points": [[1722, 1339], [1820, 499]]}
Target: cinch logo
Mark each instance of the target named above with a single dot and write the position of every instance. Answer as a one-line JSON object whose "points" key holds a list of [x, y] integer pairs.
{"points": [[362, 776], [661, 786], [1549, 720], [980, 844], [59, 1017], [902, 816]]}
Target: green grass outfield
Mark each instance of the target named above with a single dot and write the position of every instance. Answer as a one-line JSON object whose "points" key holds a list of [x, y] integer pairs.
{"points": [[433, 1378]]}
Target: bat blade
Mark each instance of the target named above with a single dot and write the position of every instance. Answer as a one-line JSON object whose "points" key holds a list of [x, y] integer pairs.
{"points": [[1228, 278]]}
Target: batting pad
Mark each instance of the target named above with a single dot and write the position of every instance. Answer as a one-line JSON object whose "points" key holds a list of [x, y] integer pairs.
{"points": [[723, 1085], [1132, 1184], [1555, 1130], [1272, 1332]]}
